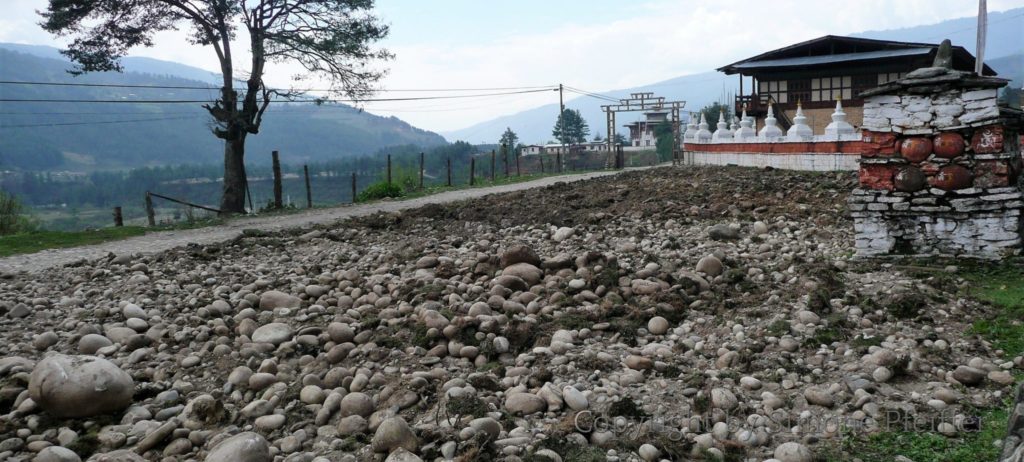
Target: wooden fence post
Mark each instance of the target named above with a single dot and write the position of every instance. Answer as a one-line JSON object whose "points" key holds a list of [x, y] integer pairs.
{"points": [[421, 170], [449, 171], [558, 160], [472, 171], [389, 169], [118, 219], [504, 157], [278, 199], [541, 157], [518, 172], [150, 213], [492, 165], [309, 191], [353, 187]]}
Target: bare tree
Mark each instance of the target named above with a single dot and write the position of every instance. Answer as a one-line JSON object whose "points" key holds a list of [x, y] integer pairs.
{"points": [[331, 39]]}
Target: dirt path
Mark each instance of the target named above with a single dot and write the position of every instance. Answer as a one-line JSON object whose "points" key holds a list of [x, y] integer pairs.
{"points": [[164, 240]]}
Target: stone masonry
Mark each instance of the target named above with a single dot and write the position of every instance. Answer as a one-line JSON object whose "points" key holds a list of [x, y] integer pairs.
{"points": [[1013, 444], [939, 168]]}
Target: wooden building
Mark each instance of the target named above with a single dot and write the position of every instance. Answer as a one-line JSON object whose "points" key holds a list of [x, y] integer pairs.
{"points": [[817, 72]]}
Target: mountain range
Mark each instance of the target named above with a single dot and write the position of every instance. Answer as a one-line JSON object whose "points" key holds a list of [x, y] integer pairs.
{"points": [[84, 137], [1004, 53]]}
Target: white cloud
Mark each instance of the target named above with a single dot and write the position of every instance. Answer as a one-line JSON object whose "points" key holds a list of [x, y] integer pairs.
{"points": [[663, 39]]}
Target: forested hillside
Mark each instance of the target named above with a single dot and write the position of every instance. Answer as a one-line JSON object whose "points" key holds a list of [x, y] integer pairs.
{"points": [[85, 137]]}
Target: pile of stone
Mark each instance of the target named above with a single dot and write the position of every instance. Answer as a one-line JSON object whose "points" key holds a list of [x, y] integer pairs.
{"points": [[680, 329]]}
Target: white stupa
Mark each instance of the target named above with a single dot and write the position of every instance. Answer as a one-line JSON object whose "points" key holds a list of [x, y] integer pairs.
{"points": [[800, 131], [691, 128], [746, 130], [703, 134], [770, 130], [839, 125], [735, 125], [723, 132]]}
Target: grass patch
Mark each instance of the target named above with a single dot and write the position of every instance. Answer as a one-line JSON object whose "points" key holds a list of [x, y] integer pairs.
{"points": [[1003, 287], [930, 446], [41, 240]]}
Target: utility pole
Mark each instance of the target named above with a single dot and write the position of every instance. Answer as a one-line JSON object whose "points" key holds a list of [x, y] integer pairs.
{"points": [[561, 120], [979, 64]]}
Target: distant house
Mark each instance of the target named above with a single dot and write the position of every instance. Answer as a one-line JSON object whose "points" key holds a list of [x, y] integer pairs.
{"points": [[531, 150], [558, 148], [642, 132], [817, 72]]}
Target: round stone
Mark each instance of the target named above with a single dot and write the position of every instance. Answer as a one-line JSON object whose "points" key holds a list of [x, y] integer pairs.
{"points": [[722, 398], [392, 434], [80, 386], [916, 149], [910, 179], [793, 452], [524, 403], [657, 325], [710, 265], [948, 145], [575, 399], [243, 447], [356, 404], [275, 333], [91, 343], [953, 177], [57, 454]]}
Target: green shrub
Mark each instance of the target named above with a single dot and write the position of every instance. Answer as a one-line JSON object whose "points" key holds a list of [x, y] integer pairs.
{"points": [[380, 190], [12, 216]]}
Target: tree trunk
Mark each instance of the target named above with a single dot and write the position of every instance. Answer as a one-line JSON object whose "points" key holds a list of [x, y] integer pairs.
{"points": [[233, 199]]}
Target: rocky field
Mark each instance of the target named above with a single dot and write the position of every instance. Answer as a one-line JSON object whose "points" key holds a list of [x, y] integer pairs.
{"points": [[670, 314]]}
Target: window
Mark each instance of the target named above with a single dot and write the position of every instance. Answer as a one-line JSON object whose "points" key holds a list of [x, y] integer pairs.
{"points": [[890, 77], [831, 88], [777, 89], [800, 90]]}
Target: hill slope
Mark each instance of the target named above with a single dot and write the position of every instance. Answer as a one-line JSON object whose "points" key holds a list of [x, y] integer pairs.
{"points": [[76, 136], [1003, 52]]}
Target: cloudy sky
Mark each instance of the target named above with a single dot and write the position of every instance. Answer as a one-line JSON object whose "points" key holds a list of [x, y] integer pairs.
{"points": [[595, 45]]}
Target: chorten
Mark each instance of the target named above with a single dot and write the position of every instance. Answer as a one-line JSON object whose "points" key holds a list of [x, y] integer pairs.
{"points": [[770, 130], [723, 132], [703, 134], [839, 125], [746, 126], [800, 131]]}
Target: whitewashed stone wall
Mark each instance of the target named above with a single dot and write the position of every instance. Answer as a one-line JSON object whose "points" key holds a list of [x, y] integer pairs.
{"points": [[1013, 444], [978, 222], [922, 114], [819, 162]]}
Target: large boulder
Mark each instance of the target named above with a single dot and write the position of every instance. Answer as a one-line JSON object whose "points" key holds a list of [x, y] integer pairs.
{"points": [[56, 454], [275, 333], [392, 434], [519, 254], [121, 455], [243, 447], [525, 271], [80, 386]]}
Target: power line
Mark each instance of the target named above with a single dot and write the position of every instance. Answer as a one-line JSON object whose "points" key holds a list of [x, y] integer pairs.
{"points": [[189, 87], [592, 94], [63, 124], [315, 101]]}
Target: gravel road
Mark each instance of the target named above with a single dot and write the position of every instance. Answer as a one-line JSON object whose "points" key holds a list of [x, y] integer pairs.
{"points": [[164, 240]]}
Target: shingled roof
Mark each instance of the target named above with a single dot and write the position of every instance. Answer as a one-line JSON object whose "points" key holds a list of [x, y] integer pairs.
{"points": [[832, 49]]}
